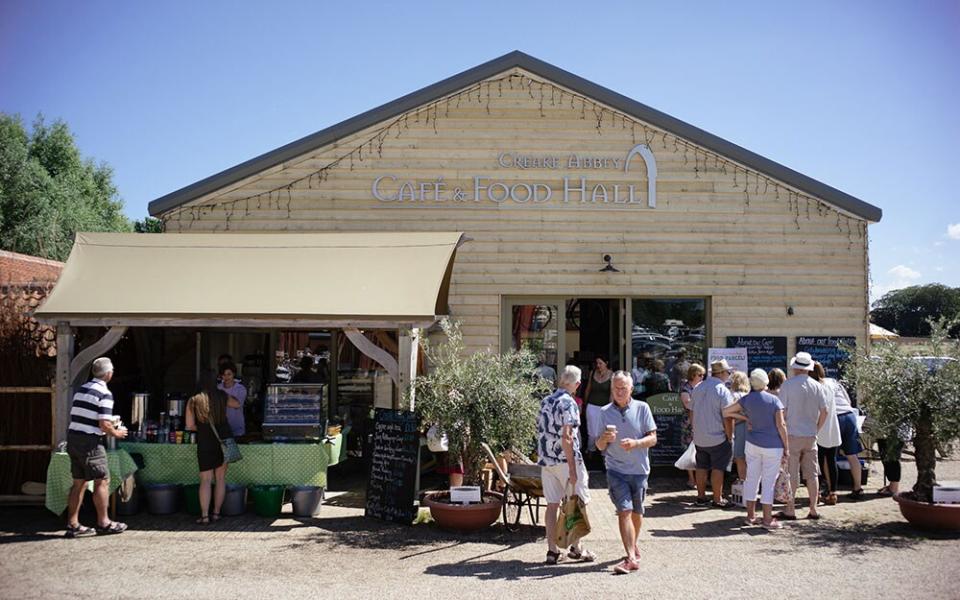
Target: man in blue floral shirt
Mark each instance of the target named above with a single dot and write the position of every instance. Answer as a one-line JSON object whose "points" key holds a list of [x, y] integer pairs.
{"points": [[558, 432]]}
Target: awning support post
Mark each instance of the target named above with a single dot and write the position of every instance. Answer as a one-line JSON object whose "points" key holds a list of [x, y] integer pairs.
{"points": [[381, 356], [409, 348], [78, 366], [62, 387], [71, 368]]}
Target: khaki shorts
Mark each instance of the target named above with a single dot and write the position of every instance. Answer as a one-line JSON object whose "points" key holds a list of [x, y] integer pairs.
{"points": [[88, 458], [555, 477], [803, 457]]}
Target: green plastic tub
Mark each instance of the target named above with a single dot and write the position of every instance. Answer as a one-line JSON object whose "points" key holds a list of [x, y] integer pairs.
{"points": [[267, 499], [191, 498]]}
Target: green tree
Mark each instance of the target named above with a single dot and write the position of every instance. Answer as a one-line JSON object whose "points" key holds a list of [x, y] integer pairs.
{"points": [[910, 399], [148, 225], [479, 397], [908, 311], [48, 191]]}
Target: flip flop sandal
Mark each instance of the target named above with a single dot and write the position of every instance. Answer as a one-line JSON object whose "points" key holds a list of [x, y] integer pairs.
{"points": [[785, 517], [203, 521], [214, 517], [79, 531], [554, 557], [772, 526], [582, 556], [751, 522], [723, 504], [113, 528]]}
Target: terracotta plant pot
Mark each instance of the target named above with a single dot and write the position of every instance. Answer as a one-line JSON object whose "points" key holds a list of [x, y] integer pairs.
{"points": [[464, 517], [936, 517]]}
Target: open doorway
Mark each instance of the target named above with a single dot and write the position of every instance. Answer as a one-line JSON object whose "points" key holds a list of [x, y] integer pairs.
{"points": [[594, 328]]}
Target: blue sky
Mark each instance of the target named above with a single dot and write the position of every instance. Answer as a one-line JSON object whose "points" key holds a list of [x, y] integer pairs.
{"points": [[861, 95]]}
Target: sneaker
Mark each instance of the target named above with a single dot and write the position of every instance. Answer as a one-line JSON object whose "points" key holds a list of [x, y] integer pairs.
{"points": [[626, 566], [705, 501]]}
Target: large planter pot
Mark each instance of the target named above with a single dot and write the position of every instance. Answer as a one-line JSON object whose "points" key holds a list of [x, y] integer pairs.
{"points": [[936, 517], [464, 517]]}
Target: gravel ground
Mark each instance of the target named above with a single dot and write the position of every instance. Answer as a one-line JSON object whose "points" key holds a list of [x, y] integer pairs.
{"points": [[859, 550]]}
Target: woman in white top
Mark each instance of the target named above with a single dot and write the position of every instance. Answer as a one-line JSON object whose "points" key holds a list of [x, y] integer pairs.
{"points": [[828, 438]]}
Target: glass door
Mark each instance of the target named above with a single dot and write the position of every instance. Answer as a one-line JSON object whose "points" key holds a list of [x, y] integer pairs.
{"points": [[535, 324]]}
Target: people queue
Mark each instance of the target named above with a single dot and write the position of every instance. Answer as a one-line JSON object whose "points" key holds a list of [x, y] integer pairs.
{"points": [[764, 423]]}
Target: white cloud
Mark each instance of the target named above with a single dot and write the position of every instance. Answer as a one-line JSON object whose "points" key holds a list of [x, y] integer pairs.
{"points": [[904, 273], [953, 231], [900, 276]]}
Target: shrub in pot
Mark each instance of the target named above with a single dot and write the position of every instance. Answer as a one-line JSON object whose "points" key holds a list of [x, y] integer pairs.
{"points": [[902, 393], [476, 398]]}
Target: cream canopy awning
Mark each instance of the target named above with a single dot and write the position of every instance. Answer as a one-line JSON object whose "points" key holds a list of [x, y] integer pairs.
{"points": [[255, 279], [879, 333]]}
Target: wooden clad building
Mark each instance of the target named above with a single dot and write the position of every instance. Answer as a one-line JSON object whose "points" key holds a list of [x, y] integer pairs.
{"points": [[597, 225]]}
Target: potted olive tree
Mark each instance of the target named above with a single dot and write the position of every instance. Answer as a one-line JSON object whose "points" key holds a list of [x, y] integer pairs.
{"points": [[472, 399], [903, 393]]}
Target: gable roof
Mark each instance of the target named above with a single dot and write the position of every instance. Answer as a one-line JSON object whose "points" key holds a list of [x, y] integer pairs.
{"points": [[542, 69]]}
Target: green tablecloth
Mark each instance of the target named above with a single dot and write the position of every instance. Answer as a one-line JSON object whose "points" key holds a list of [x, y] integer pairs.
{"points": [[283, 464], [59, 478]]}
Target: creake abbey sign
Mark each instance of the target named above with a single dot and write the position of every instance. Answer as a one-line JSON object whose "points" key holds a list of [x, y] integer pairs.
{"points": [[575, 187]]}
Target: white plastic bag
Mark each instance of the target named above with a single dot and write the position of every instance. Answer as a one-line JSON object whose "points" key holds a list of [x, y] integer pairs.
{"points": [[687, 460], [437, 440]]}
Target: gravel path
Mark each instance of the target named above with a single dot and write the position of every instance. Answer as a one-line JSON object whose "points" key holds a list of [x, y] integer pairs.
{"points": [[859, 550]]}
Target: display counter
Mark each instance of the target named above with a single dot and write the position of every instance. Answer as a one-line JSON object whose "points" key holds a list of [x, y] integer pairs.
{"points": [[279, 464], [60, 479]]}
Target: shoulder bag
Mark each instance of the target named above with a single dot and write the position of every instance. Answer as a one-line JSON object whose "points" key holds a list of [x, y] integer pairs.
{"points": [[231, 451]]}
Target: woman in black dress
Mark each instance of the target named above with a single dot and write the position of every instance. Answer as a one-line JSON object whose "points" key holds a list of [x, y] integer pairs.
{"points": [[205, 411]]}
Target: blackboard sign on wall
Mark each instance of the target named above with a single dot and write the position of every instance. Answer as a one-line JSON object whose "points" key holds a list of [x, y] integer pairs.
{"points": [[826, 350], [391, 487], [668, 413], [763, 352]]}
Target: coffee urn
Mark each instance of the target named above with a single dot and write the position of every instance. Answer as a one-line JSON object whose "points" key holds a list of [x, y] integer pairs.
{"points": [[138, 413]]}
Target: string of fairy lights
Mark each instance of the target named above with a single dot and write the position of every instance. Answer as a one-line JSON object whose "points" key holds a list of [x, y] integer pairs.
{"points": [[486, 93]]}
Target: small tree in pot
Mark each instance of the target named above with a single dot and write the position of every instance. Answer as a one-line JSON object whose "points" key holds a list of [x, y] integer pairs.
{"points": [[901, 393], [479, 397]]}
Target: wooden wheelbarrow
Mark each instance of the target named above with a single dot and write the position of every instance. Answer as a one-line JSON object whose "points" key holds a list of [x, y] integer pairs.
{"points": [[522, 488]]}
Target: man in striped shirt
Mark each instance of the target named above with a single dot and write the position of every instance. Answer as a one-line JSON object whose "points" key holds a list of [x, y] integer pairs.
{"points": [[91, 417]]}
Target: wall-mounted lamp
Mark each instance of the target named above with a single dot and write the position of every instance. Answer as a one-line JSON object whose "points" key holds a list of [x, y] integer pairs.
{"points": [[789, 311], [609, 268]]}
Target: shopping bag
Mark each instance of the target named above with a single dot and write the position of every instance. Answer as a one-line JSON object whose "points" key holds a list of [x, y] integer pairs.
{"points": [[687, 460], [782, 490], [572, 521], [231, 451]]}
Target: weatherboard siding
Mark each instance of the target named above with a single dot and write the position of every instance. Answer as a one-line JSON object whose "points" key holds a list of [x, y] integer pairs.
{"points": [[737, 243]]}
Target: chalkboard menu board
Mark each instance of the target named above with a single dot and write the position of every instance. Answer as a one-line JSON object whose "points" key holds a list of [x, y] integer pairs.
{"points": [[763, 352], [826, 350], [668, 413], [391, 487]]}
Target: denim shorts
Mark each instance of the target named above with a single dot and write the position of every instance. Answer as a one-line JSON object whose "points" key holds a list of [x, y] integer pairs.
{"points": [[849, 435], [627, 492], [740, 439]]}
